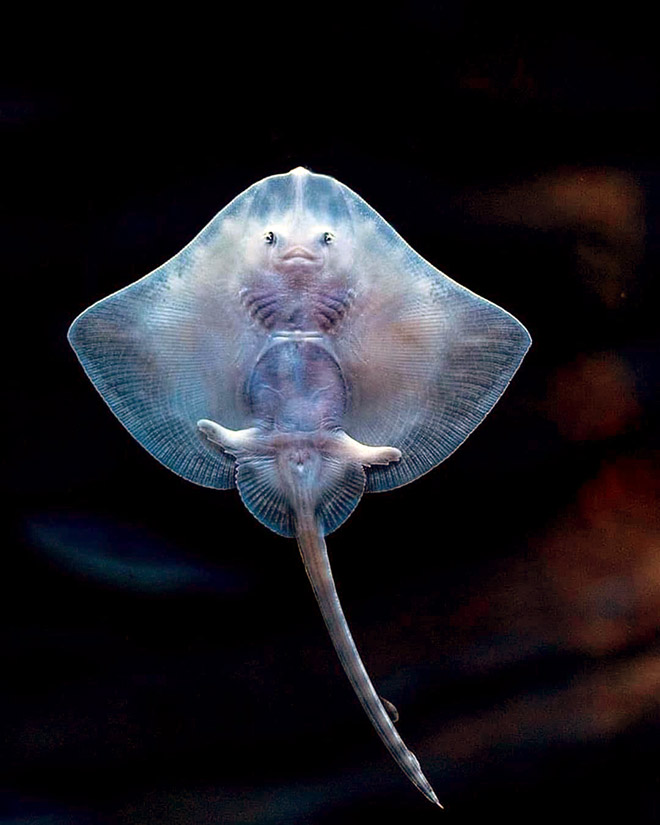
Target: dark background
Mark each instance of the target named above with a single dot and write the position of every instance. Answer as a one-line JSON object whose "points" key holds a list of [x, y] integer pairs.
{"points": [[163, 660]]}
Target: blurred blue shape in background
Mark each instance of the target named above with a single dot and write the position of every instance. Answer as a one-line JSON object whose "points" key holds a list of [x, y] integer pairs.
{"points": [[125, 556]]}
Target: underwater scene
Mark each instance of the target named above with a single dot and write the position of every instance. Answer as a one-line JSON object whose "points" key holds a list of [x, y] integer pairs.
{"points": [[163, 658]]}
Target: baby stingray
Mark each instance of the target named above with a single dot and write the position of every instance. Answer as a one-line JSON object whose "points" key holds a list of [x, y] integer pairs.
{"points": [[299, 350]]}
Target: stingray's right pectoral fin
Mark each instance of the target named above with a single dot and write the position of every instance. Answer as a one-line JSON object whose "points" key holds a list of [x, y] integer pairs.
{"points": [[232, 441]]}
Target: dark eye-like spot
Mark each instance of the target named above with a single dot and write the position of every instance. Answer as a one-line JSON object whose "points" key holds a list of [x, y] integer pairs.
{"points": [[328, 237], [269, 237]]}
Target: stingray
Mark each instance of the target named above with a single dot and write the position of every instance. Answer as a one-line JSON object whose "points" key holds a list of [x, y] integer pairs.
{"points": [[300, 350]]}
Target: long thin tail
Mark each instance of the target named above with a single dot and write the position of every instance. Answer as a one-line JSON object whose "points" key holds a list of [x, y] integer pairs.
{"points": [[317, 564]]}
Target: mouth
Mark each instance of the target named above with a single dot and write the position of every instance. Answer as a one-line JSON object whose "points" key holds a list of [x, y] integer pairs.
{"points": [[298, 253]]}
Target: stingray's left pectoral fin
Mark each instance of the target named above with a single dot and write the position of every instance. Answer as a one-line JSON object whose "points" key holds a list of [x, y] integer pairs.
{"points": [[353, 450], [232, 441]]}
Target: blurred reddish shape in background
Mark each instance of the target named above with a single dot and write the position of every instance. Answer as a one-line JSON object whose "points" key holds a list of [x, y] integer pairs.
{"points": [[593, 397], [602, 207], [592, 707], [602, 559], [500, 77]]}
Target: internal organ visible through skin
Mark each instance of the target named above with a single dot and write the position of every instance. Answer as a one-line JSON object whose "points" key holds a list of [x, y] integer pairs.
{"points": [[296, 392], [297, 385]]}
